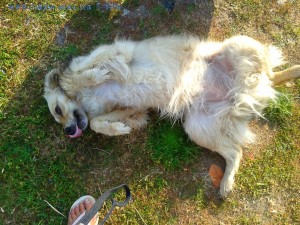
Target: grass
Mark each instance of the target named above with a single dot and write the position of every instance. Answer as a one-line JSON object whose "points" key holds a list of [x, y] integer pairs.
{"points": [[170, 145], [168, 175], [63, 53]]}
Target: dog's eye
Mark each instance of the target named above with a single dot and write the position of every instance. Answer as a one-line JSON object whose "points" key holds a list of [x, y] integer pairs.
{"points": [[58, 110]]}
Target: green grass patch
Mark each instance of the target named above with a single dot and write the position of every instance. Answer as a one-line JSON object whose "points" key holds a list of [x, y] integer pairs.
{"points": [[159, 10], [65, 52], [280, 111], [103, 34], [170, 145]]}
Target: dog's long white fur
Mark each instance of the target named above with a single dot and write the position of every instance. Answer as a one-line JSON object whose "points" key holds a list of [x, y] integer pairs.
{"points": [[214, 87]]}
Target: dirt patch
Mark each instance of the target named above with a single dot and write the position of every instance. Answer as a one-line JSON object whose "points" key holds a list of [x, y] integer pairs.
{"points": [[264, 136]]}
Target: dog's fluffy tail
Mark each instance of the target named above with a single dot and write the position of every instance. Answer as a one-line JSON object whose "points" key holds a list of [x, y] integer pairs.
{"points": [[286, 75]]}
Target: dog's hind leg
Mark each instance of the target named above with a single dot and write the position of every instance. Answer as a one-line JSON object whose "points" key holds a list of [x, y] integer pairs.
{"points": [[118, 122], [214, 133], [232, 157]]}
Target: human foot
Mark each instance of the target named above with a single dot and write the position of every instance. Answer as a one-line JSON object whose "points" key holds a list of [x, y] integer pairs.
{"points": [[79, 208]]}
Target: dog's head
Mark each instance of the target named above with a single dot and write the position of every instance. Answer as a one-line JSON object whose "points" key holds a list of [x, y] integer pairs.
{"points": [[64, 109]]}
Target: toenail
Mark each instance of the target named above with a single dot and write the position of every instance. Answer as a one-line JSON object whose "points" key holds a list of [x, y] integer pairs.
{"points": [[87, 201]]}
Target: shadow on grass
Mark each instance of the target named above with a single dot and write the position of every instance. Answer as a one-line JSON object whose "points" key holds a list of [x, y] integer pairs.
{"points": [[39, 163]]}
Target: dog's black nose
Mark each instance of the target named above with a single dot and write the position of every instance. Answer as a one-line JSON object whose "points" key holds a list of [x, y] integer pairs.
{"points": [[70, 130]]}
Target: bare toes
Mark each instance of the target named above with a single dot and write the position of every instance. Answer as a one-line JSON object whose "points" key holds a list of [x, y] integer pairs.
{"points": [[78, 210]]}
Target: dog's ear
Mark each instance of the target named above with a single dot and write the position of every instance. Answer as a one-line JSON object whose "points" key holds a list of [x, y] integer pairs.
{"points": [[52, 80]]}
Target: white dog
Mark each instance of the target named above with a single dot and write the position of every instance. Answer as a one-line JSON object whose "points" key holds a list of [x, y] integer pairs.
{"points": [[214, 87]]}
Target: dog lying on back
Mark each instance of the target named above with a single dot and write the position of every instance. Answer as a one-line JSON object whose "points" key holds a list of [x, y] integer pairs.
{"points": [[214, 87]]}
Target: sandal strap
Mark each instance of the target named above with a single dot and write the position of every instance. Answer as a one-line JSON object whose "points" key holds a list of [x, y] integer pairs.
{"points": [[78, 218], [99, 203]]}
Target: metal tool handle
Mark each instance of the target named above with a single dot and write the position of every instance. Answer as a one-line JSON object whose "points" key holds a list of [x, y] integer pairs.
{"points": [[100, 201]]}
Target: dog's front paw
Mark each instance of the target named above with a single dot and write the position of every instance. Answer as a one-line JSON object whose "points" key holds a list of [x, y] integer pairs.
{"points": [[99, 79], [119, 128], [226, 187], [109, 128]]}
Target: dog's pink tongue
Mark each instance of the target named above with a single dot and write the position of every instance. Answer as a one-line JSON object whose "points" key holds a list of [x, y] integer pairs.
{"points": [[77, 133]]}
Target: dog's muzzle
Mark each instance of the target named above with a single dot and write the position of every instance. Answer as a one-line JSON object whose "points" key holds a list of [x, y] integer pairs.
{"points": [[73, 131], [76, 128]]}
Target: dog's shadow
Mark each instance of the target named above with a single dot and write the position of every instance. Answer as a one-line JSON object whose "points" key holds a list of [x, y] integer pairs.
{"points": [[150, 160], [99, 161]]}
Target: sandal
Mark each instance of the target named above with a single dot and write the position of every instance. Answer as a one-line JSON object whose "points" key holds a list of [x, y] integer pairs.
{"points": [[87, 216], [77, 202]]}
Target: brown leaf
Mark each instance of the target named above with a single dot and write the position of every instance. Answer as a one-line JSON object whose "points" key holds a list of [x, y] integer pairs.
{"points": [[216, 174]]}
